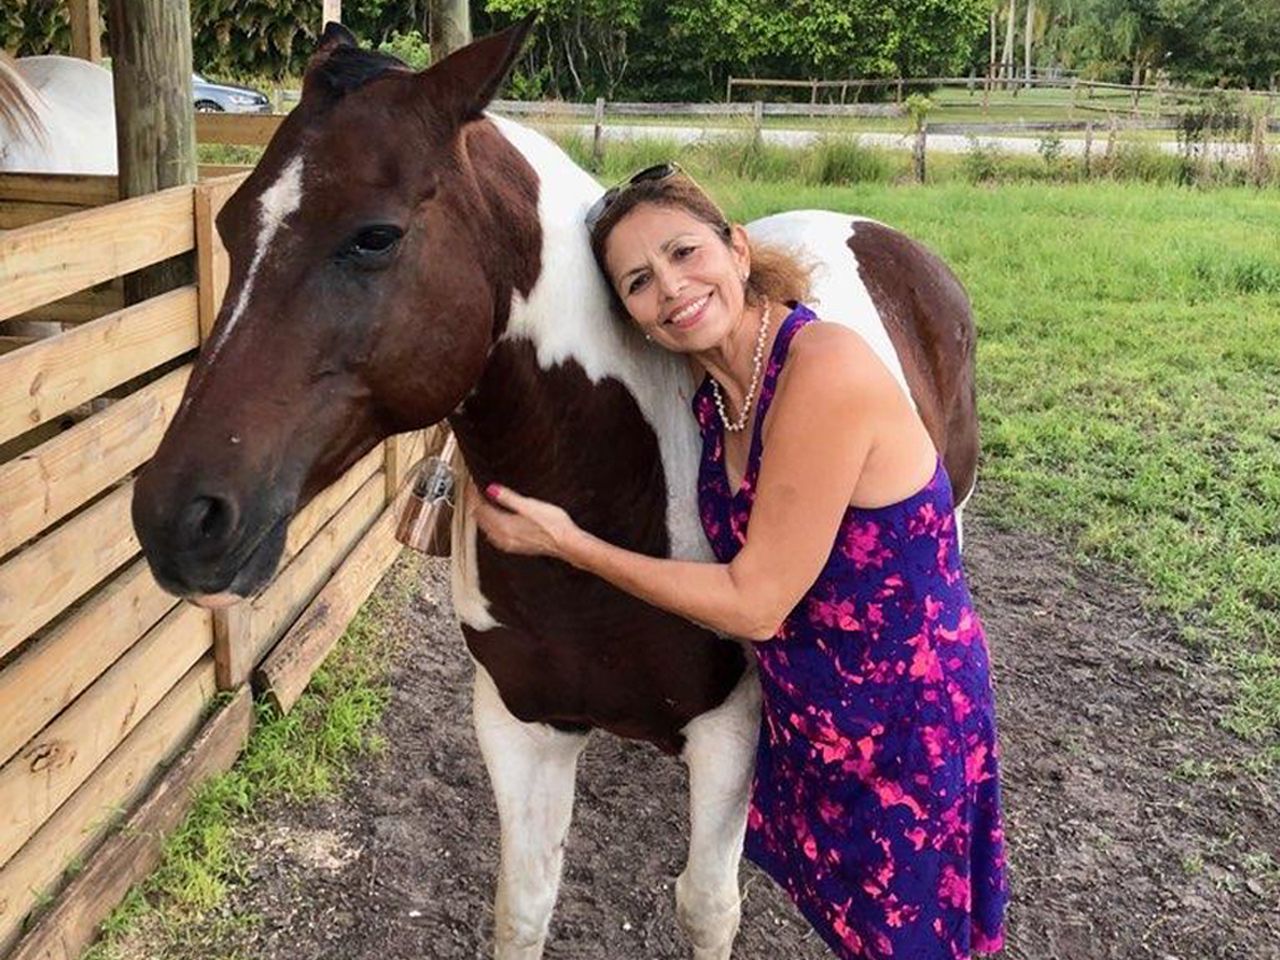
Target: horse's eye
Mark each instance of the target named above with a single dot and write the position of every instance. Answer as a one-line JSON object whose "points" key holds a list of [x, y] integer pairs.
{"points": [[373, 242]]}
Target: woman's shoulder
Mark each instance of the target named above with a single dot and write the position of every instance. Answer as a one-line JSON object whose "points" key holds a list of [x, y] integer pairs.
{"points": [[831, 352]]}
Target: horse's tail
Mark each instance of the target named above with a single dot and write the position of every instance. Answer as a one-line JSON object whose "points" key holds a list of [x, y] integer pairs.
{"points": [[18, 102]]}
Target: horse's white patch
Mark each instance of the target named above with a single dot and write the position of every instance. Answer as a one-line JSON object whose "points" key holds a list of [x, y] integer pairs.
{"points": [[276, 203], [569, 315], [839, 294]]}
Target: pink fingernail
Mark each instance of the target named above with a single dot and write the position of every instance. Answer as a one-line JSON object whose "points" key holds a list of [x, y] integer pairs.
{"points": [[492, 491]]}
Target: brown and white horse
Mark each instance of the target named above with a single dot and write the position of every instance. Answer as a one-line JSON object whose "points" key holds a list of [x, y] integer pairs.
{"points": [[399, 257]]}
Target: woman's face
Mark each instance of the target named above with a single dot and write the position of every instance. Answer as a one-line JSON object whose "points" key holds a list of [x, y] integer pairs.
{"points": [[681, 283]]}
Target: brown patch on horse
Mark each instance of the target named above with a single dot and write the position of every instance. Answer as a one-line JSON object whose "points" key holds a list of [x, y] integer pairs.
{"points": [[927, 315], [574, 651]]}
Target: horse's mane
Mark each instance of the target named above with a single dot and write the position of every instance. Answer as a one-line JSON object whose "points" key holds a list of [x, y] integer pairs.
{"points": [[18, 100], [348, 68]]}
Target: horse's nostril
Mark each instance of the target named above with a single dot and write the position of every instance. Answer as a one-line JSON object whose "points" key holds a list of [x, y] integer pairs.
{"points": [[207, 521]]}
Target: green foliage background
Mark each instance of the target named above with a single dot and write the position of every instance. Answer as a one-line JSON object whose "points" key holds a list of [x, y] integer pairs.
{"points": [[686, 49]]}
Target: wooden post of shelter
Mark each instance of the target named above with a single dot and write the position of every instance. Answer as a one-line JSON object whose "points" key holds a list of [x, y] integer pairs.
{"points": [[155, 115], [597, 140], [86, 30], [450, 26], [918, 151]]}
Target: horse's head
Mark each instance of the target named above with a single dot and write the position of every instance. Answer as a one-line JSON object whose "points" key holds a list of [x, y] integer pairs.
{"points": [[372, 263]]}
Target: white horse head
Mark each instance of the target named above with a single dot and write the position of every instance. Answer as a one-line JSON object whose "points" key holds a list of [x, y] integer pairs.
{"points": [[57, 115]]}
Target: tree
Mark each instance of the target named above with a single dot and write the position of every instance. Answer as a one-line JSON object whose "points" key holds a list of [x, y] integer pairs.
{"points": [[449, 26]]}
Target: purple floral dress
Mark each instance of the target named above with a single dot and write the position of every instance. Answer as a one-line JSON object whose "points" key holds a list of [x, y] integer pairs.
{"points": [[876, 802]]}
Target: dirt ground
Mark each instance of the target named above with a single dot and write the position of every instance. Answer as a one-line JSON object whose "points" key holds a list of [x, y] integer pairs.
{"points": [[1127, 841]]}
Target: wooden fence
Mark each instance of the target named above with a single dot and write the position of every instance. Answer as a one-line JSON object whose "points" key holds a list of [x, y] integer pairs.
{"points": [[104, 678]]}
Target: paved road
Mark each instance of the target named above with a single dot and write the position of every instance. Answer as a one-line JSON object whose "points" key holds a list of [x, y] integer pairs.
{"points": [[945, 143]]}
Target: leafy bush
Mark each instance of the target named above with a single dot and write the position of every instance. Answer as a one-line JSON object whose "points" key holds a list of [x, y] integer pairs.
{"points": [[409, 47], [981, 164]]}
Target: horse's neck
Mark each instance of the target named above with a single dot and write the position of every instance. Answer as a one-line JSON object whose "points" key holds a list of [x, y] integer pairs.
{"points": [[568, 319]]}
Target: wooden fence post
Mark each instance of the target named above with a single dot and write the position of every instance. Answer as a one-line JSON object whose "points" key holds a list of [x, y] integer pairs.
{"points": [[901, 86], [1088, 148], [918, 151], [86, 30], [155, 115], [597, 142], [757, 123], [331, 12]]}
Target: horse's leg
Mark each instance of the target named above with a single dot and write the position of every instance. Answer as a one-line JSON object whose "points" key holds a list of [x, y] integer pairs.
{"points": [[720, 751], [531, 767]]}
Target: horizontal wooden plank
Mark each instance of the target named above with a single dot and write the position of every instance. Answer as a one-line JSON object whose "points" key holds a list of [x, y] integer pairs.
{"points": [[133, 852], [42, 681], [246, 129], [118, 784], [43, 262], [288, 669], [328, 502], [84, 189], [53, 764], [270, 613], [21, 213], [51, 377], [38, 583], [213, 171], [46, 484]]}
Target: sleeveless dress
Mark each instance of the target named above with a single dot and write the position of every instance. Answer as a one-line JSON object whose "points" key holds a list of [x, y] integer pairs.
{"points": [[876, 801]]}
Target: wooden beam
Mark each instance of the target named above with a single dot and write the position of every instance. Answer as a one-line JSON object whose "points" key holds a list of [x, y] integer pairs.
{"points": [[151, 64], [86, 30], [59, 476], [288, 669], [40, 582], [117, 785], [53, 764], [61, 665], [243, 129], [133, 852], [52, 376], [331, 12], [47, 261], [84, 189], [213, 266], [402, 452]]}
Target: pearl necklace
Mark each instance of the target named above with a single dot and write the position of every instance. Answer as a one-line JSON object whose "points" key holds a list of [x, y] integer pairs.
{"points": [[757, 367]]}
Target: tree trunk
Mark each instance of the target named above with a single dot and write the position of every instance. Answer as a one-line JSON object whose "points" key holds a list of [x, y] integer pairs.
{"points": [[1006, 58], [991, 60], [1026, 40], [155, 115], [450, 26]]}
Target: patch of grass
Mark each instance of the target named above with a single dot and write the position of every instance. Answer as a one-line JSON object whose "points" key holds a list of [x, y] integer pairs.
{"points": [[293, 757]]}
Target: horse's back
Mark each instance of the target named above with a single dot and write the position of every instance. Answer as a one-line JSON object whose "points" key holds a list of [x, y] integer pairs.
{"points": [[909, 307]]}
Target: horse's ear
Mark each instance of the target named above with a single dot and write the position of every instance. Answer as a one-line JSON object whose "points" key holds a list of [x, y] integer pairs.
{"points": [[463, 83], [335, 35]]}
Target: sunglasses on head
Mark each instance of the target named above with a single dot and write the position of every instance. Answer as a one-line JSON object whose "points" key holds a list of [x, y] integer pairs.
{"points": [[659, 171]]}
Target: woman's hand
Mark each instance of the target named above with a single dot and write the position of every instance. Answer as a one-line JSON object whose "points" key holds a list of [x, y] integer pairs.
{"points": [[522, 525]]}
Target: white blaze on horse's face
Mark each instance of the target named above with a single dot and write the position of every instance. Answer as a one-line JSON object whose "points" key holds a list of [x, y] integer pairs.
{"points": [[277, 203]]}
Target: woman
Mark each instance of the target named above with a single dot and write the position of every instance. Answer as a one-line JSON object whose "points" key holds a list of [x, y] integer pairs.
{"points": [[876, 796]]}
